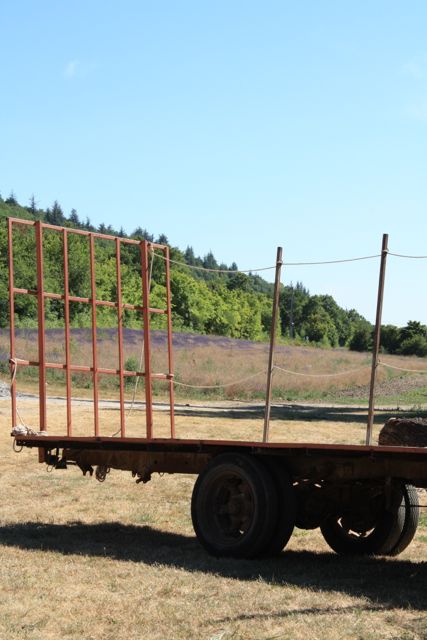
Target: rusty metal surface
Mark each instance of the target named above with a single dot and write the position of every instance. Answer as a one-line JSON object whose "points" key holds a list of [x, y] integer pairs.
{"points": [[41, 328], [200, 444], [140, 462], [120, 340], [147, 345], [94, 369], [170, 348], [326, 463], [11, 319], [67, 333]]}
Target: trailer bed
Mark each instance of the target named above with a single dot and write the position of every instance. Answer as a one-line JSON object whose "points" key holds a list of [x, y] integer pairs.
{"points": [[319, 462]]}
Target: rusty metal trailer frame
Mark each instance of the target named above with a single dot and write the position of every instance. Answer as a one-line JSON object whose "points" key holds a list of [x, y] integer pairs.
{"points": [[93, 302], [339, 467], [317, 462]]}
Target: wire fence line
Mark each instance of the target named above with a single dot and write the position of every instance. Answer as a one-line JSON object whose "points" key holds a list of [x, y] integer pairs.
{"points": [[307, 263], [200, 268], [338, 261], [256, 269], [401, 255]]}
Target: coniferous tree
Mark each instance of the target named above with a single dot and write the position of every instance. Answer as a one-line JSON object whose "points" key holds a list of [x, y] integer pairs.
{"points": [[162, 239], [74, 218], [142, 234], [137, 233], [209, 261], [55, 215], [189, 256], [32, 208], [11, 199], [88, 225]]}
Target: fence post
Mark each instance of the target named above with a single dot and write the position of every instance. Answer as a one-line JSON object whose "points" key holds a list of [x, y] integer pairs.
{"points": [[279, 263], [377, 336]]}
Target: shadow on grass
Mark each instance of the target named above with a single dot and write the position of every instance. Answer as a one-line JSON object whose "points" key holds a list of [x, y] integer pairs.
{"points": [[298, 412], [387, 583]]}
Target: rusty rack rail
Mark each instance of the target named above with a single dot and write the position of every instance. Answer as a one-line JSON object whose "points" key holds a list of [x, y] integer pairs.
{"points": [[145, 248]]}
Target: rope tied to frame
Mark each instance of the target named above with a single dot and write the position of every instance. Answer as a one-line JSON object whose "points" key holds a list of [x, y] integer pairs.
{"points": [[14, 370], [22, 429]]}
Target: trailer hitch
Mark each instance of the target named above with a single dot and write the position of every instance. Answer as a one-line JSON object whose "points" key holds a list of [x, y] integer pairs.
{"points": [[54, 460]]}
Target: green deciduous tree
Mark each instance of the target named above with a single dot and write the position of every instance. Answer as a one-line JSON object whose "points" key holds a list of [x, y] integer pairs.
{"points": [[390, 338], [361, 339], [415, 345]]}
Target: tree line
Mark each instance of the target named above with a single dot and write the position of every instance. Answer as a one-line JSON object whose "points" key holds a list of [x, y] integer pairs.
{"points": [[227, 303]]}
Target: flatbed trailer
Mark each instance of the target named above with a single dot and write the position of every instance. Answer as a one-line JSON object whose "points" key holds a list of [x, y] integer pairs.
{"points": [[248, 495]]}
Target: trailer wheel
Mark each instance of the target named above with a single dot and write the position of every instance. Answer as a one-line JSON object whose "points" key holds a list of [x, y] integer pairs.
{"points": [[234, 506], [388, 533], [411, 507], [286, 515]]}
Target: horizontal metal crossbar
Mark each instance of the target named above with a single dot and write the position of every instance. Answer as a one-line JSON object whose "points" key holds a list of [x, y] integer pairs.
{"points": [[98, 303], [81, 232], [79, 368]]}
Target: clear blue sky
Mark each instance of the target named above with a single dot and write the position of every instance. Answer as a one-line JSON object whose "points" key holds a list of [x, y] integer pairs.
{"points": [[230, 126]]}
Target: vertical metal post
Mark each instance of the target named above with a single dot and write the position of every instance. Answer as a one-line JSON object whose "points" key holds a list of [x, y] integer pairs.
{"points": [[41, 325], [147, 350], [94, 340], [170, 345], [120, 339], [67, 331], [279, 263], [12, 319], [291, 319], [377, 336]]}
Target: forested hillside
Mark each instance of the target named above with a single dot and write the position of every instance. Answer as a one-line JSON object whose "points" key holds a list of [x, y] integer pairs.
{"points": [[227, 303]]}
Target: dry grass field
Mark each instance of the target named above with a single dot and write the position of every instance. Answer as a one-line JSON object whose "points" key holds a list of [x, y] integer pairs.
{"points": [[80, 559]]}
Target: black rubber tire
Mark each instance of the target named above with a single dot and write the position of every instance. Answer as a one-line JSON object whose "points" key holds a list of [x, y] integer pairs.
{"points": [[411, 507], [234, 506], [286, 512], [379, 538]]}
